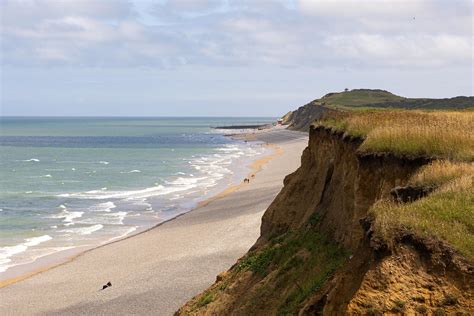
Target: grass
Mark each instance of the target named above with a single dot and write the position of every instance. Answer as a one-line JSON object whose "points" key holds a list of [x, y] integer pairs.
{"points": [[373, 98], [447, 214], [359, 98], [447, 134], [205, 299], [301, 262], [399, 306], [440, 172]]}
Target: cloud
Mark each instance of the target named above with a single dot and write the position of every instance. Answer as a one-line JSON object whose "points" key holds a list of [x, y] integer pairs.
{"points": [[175, 33], [362, 8]]}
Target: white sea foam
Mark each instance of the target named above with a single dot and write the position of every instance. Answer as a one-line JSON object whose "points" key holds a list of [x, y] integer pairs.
{"points": [[31, 160], [103, 207], [211, 169], [83, 230], [117, 218], [30, 242], [70, 216], [133, 194], [47, 176], [67, 216], [127, 232], [104, 162], [7, 252], [131, 171]]}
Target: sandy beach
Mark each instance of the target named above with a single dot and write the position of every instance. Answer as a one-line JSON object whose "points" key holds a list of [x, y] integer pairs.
{"points": [[155, 272]]}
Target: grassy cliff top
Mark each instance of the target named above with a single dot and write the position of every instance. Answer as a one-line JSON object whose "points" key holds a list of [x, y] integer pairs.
{"points": [[374, 98], [447, 213], [442, 134], [358, 98]]}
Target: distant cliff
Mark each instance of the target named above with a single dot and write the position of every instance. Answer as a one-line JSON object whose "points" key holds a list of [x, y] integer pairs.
{"points": [[304, 116]]}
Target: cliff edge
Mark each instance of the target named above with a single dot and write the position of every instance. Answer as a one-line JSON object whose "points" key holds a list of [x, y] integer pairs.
{"points": [[337, 239], [305, 115]]}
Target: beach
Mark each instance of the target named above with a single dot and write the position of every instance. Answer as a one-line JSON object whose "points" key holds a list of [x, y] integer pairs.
{"points": [[155, 272]]}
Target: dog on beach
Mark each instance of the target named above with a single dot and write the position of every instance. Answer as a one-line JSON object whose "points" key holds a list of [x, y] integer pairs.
{"points": [[109, 284]]}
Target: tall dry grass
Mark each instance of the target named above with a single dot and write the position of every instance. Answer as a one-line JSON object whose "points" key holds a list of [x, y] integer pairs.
{"points": [[448, 212], [440, 172], [448, 134]]}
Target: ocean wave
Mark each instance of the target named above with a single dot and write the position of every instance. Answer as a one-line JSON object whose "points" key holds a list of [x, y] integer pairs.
{"points": [[83, 230], [7, 252], [67, 216], [117, 217], [30, 242], [132, 171], [103, 207], [104, 162], [31, 160], [127, 232], [158, 190]]}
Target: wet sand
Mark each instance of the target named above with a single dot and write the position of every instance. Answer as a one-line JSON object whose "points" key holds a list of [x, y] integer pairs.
{"points": [[155, 272]]}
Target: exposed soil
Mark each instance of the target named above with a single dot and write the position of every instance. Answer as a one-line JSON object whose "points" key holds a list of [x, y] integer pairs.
{"points": [[339, 266]]}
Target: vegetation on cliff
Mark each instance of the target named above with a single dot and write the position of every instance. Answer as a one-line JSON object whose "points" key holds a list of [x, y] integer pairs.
{"points": [[446, 214], [379, 219], [447, 134], [297, 263], [360, 99]]}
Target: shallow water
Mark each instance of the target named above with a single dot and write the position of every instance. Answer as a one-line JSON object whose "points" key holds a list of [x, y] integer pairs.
{"points": [[69, 182]]}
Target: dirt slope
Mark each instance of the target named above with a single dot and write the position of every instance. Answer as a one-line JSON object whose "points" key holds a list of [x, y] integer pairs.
{"points": [[318, 253]]}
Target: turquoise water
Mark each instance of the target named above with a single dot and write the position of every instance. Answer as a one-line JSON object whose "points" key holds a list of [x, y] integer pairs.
{"points": [[69, 182]]}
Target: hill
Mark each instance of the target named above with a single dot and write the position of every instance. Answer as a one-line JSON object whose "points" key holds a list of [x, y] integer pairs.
{"points": [[360, 99]]}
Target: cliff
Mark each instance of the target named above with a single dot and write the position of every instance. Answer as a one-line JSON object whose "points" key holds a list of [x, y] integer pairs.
{"points": [[304, 116], [320, 251]]}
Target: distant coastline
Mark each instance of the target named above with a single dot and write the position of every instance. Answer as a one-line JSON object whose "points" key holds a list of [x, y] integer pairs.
{"points": [[244, 127]]}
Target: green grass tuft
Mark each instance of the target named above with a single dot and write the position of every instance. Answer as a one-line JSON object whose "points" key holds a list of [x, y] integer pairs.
{"points": [[447, 214]]}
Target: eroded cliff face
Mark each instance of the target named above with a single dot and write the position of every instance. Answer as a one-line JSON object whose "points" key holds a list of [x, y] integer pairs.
{"points": [[337, 183], [302, 118], [317, 253]]}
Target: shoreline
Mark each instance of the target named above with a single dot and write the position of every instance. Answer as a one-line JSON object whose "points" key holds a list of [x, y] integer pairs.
{"points": [[62, 257], [159, 269]]}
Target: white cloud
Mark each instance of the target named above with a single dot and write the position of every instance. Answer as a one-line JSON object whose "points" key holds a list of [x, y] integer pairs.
{"points": [[400, 50], [362, 8], [211, 32]]}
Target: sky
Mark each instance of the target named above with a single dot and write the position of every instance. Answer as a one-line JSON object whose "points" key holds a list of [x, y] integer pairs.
{"points": [[225, 57]]}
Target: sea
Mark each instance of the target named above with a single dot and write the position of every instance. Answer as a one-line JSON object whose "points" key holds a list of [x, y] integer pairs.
{"points": [[83, 182]]}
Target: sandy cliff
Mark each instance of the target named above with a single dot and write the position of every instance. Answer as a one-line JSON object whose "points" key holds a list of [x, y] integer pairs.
{"points": [[318, 252]]}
